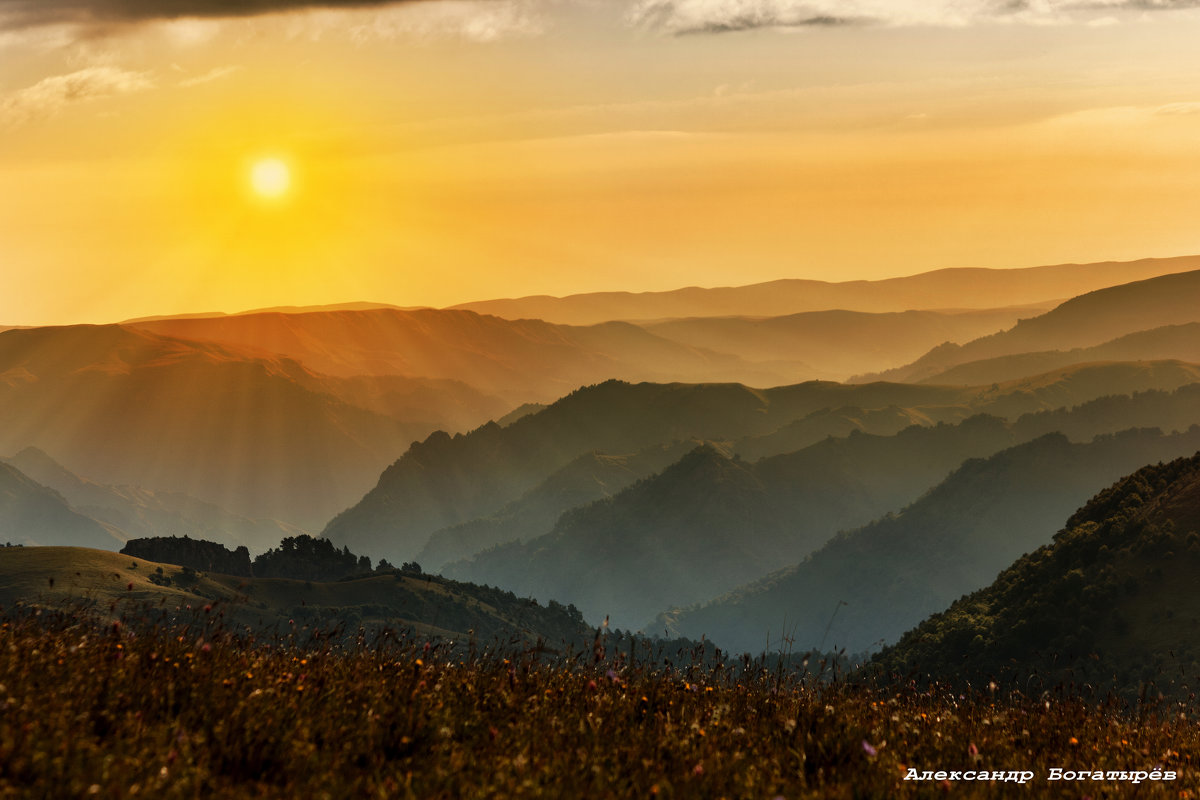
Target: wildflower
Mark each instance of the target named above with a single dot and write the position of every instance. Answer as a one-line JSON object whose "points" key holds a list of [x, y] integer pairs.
{"points": [[1074, 740], [698, 769], [973, 752], [206, 648], [871, 751], [591, 685]]}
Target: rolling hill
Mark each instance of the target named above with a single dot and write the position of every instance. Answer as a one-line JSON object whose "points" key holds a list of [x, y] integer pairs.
{"points": [[941, 289], [1110, 602], [867, 586], [519, 360], [115, 586], [837, 344], [1084, 321], [1169, 342]]}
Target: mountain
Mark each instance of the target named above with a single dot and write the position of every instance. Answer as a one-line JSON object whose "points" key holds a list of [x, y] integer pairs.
{"points": [[1109, 602], [147, 592], [519, 360], [447, 481], [33, 514], [837, 344], [127, 407], [867, 586], [444, 480], [1084, 321], [1169, 342], [140, 512], [709, 523], [941, 289], [589, 477]]}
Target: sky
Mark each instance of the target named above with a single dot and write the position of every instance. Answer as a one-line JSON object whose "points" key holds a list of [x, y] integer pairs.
{"points": [[442, 151]]}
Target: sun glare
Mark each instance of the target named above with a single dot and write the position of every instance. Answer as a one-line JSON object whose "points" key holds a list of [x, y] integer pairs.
{"points": [[270, 178]]}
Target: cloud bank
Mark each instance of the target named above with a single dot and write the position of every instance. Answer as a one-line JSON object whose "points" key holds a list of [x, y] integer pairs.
{"points": [[28, 13], [723, 16]]}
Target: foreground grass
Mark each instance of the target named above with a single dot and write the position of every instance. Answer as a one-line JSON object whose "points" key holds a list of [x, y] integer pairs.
{"points": [[108, 711]]}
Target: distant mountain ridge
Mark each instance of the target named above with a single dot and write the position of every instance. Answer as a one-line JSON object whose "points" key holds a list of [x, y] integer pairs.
{"points": [[1088, 320], [959, 288], [138, 512], [867, 586], [32, 514], [255, 436]]}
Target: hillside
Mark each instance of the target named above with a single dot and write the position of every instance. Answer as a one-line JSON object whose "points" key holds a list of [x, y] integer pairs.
{"points": [[867, 586], [141, 512], [32, 514], [1085, 321], [519, 360], [444, 481], [947, 288], [590, 477], [837, 344], [709, 522], [448, 481], [127, 407], [1109, 602], [121, 586], [1169, 342]]}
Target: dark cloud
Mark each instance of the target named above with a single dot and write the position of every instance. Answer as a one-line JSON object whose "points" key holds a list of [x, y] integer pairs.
{"points": [[28, 13], [746, 22]]}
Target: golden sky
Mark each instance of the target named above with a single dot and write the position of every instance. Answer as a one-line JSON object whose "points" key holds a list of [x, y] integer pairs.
{"points": [[453, 150]]}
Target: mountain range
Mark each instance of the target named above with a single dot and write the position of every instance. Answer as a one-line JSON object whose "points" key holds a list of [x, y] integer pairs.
{"points": [[867, 586], [1108, 603], [941, 289]]}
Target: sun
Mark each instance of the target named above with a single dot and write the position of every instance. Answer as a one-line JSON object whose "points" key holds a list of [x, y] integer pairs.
{"points": [[270, 178]]}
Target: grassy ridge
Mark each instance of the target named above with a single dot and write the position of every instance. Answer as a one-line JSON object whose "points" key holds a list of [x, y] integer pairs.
{"points": [[106, 711], [107, 585]]}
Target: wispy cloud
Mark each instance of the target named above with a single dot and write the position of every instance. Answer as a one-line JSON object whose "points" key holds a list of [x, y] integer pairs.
{"points": [[723, 16], [1178, 109], [210, 76], [50, 95], [473, 20], [21, 13]]}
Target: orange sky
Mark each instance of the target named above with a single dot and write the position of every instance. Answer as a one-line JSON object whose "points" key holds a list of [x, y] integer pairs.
{"points": [[452, 150]]}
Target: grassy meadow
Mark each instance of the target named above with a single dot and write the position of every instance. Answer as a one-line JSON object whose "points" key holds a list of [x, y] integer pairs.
{"points": [[118, 708]]}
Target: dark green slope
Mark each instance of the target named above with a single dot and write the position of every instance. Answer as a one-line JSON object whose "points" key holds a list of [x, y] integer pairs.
{"points": [[883, 578], [1110, 602]]}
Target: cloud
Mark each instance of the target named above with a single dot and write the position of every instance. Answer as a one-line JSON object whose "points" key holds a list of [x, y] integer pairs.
{"points": [[1178, 109], [210, 76], [28, 13], [723, 16], [473, 20], [50, 95]]}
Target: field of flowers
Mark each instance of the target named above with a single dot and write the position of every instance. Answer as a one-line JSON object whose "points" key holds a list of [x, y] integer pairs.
{"points": [[126, 710]]}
